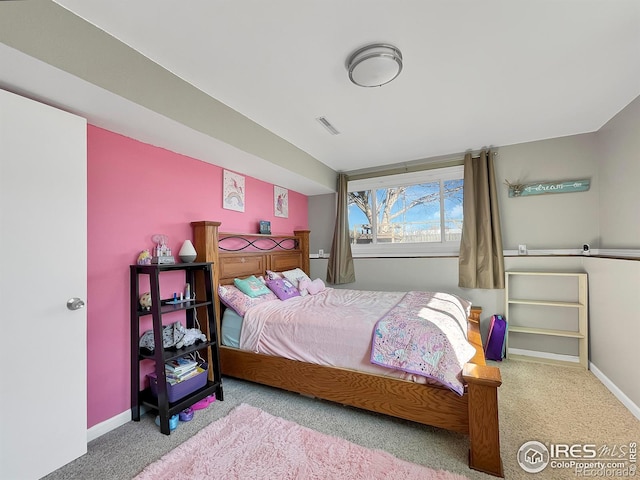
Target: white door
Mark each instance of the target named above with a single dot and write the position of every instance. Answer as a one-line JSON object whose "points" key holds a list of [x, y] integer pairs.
{"points": [[43, 242]]}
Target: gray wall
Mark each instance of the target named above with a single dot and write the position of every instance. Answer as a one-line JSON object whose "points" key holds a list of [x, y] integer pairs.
{"points": [[552, 221], [615, 284], [322, 221], [614, 322], [619, 164], [606, 217]]}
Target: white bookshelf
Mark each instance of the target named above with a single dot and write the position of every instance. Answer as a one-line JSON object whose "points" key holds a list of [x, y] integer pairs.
{"points": [[539, 291]]}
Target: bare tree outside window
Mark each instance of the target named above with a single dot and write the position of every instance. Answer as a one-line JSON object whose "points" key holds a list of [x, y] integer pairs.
{"points": [[425, 212]]}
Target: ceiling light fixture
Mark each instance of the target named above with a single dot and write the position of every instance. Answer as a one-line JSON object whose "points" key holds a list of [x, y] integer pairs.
{"points": [[374, 65]]}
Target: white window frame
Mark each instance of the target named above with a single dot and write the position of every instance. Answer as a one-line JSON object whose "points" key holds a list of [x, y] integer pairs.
{"points": [[442, 248]]}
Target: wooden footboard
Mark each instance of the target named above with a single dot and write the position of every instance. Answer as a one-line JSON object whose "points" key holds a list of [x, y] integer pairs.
{"points": [[475, 413], [435, 406]]}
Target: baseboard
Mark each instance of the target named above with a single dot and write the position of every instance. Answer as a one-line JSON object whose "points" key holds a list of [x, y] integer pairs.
{"points": [[554, 357], [108, 425], [619, 394]]}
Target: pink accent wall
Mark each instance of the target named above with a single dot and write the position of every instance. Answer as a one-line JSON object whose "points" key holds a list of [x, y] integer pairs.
{"points": [[134, 191]]}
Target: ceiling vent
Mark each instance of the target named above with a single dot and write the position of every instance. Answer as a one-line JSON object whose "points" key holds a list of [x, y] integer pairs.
{"points": [[326, 124]]}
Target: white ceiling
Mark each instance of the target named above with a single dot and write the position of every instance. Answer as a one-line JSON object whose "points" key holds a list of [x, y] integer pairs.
{"points": [[476, 72]]}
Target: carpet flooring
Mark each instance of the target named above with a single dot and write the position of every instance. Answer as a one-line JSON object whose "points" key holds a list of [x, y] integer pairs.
{"points": [[540, 402]]}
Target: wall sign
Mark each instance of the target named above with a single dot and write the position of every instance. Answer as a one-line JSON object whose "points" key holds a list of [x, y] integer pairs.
{"points": [[539, 188]]}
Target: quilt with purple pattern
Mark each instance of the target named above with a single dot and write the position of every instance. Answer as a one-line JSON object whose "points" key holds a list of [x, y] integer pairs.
{"points": [[425, 334]]}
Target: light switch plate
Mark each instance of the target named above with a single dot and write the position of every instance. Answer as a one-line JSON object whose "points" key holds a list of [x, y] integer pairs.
{"points": [[522, 249]]}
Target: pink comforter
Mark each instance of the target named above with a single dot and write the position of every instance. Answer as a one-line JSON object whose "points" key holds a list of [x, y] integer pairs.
{"points": [[334, 328]]}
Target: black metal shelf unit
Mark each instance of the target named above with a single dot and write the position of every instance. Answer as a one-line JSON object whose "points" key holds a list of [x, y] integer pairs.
{"points": [[194, 272]]}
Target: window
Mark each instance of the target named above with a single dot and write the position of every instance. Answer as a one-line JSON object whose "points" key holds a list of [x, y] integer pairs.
{"points": [[407, 214]]}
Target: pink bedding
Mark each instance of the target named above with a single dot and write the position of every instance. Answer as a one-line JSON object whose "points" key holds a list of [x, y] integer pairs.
{"points": [[334, 327]]}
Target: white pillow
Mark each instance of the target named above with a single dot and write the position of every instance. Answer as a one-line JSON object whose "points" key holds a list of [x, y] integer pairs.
{"points": [[294, 276]]}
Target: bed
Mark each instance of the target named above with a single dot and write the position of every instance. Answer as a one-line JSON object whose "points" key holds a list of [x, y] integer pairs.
{"points": [[473, 413]]}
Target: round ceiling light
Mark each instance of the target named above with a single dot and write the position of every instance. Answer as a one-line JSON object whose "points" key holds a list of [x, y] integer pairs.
{"points": [[374, 65]]}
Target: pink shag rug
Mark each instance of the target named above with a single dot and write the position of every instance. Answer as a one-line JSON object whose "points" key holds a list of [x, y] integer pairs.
{"points": [[252, 444]]}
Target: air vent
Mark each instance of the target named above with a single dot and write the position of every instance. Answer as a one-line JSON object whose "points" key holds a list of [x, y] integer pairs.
{"points": [[326, 124]]}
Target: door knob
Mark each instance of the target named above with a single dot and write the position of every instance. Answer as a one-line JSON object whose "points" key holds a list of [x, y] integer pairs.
{"points": [[75, 303]]}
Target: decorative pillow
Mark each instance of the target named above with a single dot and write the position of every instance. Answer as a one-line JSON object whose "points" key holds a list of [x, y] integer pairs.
{"points": [[294, 276], [283, 288], [238, 301], [312, 287], [271, 275], [251, 286]]}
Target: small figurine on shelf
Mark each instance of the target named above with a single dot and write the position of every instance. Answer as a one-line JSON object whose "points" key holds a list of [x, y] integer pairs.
{"points": [[144, 258], [162, 252], [265, 227], [145, 301]]}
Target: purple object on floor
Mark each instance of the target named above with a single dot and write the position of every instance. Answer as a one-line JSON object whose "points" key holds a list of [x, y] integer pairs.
{"points": [[186, 415], [495, 346], [204, 403]]}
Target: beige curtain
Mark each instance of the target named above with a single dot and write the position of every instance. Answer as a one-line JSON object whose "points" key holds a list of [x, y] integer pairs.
{"points": [[481, 259], [340, 267]]}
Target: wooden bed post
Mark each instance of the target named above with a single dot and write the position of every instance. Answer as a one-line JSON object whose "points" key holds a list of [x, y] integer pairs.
{"points": [[482, 391], [484, 432], [207, 251], [303, 242]]}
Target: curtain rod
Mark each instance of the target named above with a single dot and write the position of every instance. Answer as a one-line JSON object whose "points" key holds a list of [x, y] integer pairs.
{"points": [[413, 166]]}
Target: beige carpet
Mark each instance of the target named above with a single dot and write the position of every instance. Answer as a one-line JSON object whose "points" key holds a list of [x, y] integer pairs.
{"points": [[537, 402], [560, 405]]}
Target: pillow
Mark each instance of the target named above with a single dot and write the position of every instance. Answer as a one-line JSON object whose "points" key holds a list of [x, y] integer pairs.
{"points": [[283, 288], [294, 276], [312, 287], [238, 301], [271, 275], [251, 286]]}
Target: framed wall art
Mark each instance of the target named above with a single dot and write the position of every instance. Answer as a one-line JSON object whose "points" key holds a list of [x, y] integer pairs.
{"points": [[281, 202], [233, 191]]}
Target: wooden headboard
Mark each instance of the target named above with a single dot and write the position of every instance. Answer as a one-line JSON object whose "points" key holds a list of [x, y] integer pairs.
{"points": [[239, 255]]}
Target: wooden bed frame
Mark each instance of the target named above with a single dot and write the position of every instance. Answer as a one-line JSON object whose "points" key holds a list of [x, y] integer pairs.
{"points": [[474, 414]]}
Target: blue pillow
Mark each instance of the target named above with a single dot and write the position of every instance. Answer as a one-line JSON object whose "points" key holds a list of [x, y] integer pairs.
{"points": [[251, 286]]}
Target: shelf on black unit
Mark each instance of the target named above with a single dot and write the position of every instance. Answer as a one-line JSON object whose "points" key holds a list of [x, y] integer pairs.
{"points": [[170, 354], [148, 400], [194, 274], [168, 307]]}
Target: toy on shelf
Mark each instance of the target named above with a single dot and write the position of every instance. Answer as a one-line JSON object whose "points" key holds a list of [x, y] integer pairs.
{"points": [[161, 252], [144, 258], [145, 301]]}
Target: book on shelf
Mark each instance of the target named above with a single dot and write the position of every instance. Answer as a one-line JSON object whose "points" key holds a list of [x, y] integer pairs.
{"points": [[177, 379], [181, 374], [180, 365]]}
